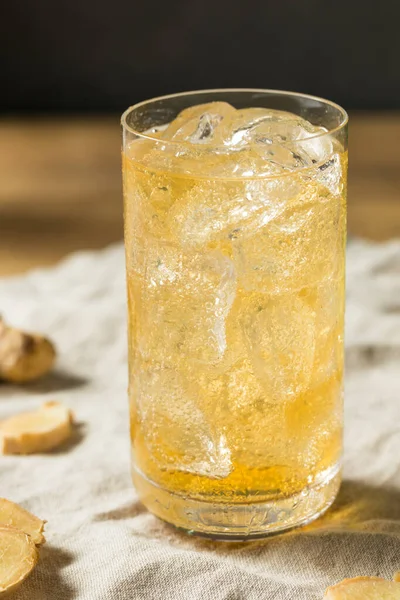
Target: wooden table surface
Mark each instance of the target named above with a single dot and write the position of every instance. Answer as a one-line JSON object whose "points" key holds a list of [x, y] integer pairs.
{"points": [[60, 185]]}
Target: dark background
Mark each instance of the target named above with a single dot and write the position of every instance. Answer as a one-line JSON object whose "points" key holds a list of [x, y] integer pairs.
{"points": [[65, 55], [68, 68]]}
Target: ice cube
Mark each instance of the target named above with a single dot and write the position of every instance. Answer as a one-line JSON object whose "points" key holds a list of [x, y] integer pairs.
{"points": [[319, 412], [284, 140], [264, 125], [198, 124], [234, 197], [328, 300], [216, 140], [217, 209], [280, 333], [239, 406], [182, 302], [299, 247], [177, 434], [329, 175]]}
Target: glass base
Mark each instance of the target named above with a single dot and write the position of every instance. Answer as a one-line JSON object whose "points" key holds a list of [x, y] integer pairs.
{"points": [[239, 522]]}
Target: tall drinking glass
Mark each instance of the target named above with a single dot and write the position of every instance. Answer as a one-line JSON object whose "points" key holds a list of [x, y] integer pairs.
{"points": [[235, 219]]}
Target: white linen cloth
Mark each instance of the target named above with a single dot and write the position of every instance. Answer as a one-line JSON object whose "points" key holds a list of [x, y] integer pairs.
{"points": [[102, 544]]}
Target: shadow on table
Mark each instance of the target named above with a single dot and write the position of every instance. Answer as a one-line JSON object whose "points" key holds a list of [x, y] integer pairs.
{"points": [[46, 581], [56, 381], [359, 503], [128, 511], [78, 434]]}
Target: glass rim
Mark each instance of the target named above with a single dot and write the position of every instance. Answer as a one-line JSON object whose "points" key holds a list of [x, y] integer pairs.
{"points": [[146, 136]]}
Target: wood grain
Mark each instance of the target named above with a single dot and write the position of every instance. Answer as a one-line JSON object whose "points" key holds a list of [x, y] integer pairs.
{"points": [[60, 187]]}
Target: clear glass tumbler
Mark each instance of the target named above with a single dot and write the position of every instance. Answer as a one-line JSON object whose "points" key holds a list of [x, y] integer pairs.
{"points": [[235, 220]]}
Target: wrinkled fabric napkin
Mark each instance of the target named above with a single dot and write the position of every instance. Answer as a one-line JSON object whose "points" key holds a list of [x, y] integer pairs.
{"points": [[102, 544]]}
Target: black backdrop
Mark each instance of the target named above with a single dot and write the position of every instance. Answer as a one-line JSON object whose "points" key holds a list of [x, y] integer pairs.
{"points": [[107, 54]]}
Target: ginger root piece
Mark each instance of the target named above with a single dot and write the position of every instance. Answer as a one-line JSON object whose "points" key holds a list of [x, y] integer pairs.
{"points": [[39, 431], [18, 556], [24, 356], [364, 588], [13, 515]]}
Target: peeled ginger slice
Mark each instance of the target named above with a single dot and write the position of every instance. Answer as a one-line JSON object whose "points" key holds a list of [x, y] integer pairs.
{"points": [[364, 588], [12, 515], [18, 556], [39, 431]]}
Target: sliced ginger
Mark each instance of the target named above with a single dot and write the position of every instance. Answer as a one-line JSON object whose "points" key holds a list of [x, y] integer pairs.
{"points": [[13, 515], [39, 431], [18, 556], [23, 356], [20, 531], [364, 588]]}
